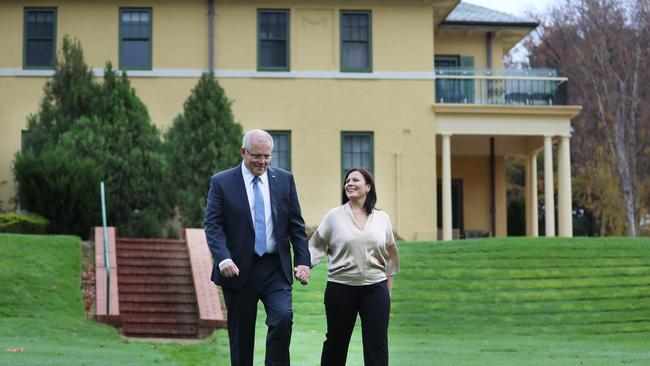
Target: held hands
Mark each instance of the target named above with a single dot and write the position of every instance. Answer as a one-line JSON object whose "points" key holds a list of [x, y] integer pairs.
{"points": [[228, 268], [302, 274]]}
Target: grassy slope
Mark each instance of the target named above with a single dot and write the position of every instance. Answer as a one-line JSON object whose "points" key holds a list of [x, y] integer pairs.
{"points": [[477, 302], [42, 312], [517, 301]]}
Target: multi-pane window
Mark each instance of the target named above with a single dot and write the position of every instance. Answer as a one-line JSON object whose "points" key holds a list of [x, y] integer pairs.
{"points": [[273, 40], [135, 39], [356, 151], [40, 38], [281, 149], [355, 41]]}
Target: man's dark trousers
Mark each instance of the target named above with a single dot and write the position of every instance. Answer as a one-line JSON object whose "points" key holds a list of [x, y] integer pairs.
{"points": [[266, 283]]}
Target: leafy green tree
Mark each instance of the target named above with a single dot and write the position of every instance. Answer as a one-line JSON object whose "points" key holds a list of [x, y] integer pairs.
{"points": [[603, 46], [201, 141]]}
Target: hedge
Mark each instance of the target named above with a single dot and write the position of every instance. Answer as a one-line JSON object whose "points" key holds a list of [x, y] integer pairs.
{"points": [[23, 223]]}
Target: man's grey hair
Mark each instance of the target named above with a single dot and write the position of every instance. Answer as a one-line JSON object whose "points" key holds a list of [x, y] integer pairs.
{"points": [[257, 133]]}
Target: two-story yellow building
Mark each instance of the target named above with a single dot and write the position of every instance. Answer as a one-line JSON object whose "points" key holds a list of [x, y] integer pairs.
{"points": [[415, 90]]}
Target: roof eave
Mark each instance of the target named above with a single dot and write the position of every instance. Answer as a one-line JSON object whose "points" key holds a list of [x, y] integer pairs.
{"points": [[458, 24]]}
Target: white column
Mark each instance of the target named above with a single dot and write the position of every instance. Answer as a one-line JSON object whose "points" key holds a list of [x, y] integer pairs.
{"points": [[446, 187], [564, 209], [532, 221], [549, 203]]}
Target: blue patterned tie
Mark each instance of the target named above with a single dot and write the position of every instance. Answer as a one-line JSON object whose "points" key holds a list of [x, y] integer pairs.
{"points": [[260, 220]]}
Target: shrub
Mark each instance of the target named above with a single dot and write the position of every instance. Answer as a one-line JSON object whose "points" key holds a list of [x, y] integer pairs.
{"points": [[22, 223], [61, 187]]}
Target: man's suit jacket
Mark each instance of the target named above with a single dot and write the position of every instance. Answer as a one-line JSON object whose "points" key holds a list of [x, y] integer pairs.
{"points": [[229, 225]]}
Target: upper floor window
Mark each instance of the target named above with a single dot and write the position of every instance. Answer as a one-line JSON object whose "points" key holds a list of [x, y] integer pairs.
{"points": [[40, 38], [281, 149], [356, 151], [273, 40], [356, 55], [135, 39]]}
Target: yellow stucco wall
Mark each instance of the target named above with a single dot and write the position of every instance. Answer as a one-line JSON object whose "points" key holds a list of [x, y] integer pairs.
{"points": [[397, 32], [18, 99], [11, 40], [164, 97], [474, 44], [317, 111]]}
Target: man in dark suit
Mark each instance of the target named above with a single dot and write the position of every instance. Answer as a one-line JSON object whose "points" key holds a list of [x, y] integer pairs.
{"points": [[251, 218]]}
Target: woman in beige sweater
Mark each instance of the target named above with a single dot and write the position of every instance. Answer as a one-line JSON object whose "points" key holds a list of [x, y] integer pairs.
{"points": [[358, 240]]}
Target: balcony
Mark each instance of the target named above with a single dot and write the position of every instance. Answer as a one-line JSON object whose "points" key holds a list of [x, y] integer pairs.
{"points": [[540, 87]]}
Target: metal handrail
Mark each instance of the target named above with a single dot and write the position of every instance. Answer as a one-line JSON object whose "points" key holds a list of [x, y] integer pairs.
{"points": [[106, 259]]}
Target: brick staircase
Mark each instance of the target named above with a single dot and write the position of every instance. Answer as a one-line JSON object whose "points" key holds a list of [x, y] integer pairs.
{"points": [[156, 289]]}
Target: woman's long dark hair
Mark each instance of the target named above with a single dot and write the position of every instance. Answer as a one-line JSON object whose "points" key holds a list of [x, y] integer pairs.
{"points": [[371, 198]]}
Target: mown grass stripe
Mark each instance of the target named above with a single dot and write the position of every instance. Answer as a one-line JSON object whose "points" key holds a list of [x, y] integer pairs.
{"points": [[523, 275], [457, 301], [502, 264], [507, 284]]}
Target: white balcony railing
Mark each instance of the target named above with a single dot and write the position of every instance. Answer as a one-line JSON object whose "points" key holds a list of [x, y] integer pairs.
{"points": [[500, 87]]}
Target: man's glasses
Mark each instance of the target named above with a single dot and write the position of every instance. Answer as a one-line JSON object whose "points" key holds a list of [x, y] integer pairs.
{"points": [[259, 157]]}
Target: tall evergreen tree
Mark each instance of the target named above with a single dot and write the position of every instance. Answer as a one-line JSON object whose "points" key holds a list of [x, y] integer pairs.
{"points": [[70, 94], [51, 181], [122, 140], [95, 131], [201, 141]]}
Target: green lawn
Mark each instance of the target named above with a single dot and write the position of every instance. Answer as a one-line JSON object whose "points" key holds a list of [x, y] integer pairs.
{"points": [[476, 302]]}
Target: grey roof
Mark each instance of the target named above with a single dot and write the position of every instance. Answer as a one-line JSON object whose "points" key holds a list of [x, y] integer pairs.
{"points": [[474, 14]]}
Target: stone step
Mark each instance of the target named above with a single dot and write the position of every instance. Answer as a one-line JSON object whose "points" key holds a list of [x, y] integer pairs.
{"points": [[150, 240], [151, 262], [154, 279], [137, 253], [160, 330], [160, 308], [158, 298], [164, 318], [151, 247], [154, 271], [149, 288]]}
